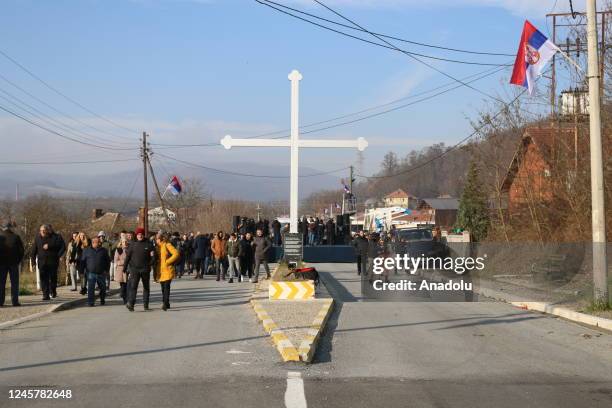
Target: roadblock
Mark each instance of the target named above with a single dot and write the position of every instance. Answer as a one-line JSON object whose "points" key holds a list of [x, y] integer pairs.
{"points": [[301, 290]]}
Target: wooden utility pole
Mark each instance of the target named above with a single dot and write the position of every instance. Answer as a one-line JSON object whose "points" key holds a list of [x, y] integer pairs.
{"points": [[598, 214], [145, 210]]}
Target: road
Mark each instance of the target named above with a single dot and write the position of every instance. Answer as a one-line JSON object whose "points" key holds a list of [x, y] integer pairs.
{"points": [[209, 351]]}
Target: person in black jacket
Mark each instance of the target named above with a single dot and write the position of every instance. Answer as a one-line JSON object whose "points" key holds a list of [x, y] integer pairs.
{"points": [[47, 250], [201, 254], [97, 265], [11, 254], [360, 243], [246, 256], [276, 229], [138, 261]]}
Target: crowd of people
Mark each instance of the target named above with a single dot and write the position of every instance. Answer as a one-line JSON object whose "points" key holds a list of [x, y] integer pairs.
{"points": [[130, 258], [314, 230]]}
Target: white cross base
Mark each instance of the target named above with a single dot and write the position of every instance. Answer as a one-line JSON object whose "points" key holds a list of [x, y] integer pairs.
{"points": [[294, 143]]}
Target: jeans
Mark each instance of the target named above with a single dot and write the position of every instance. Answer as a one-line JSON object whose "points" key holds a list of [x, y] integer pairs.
{"points": [[48, 279], [11, 270], [220, 267], [246, 266], [311, 238], [180, 267], [362, 265], [123, 291], [81, 272], [201, 264], [136, 275], [92, 280], [258, 262], [165, 287], [234, 266], [72, 272], [277, 238]]}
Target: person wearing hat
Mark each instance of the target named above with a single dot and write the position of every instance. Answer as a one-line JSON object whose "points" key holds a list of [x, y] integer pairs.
{"points": [[166, 256], [138, 260], [11, 254]]}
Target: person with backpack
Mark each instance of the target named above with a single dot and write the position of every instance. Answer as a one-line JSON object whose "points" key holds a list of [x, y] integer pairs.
{"points": [[166, 257]]}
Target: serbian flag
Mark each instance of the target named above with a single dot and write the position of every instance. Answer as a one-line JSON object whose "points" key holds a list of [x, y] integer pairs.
{"points": [[534, 51], [175, 186]]}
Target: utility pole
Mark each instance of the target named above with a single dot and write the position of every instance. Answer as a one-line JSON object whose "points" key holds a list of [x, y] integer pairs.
{"points": [[145, 158], [600, 265], [258, 212], [351, 179]]}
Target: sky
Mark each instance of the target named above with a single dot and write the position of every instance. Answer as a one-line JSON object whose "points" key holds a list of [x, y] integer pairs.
{"points": [[192, 71]]}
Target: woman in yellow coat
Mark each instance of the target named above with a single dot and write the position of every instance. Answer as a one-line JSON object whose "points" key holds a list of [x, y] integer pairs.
{"points": [[166, 257]]}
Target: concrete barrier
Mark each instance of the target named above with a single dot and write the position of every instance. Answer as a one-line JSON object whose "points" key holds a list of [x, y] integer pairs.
{"points": [[302, 290]]}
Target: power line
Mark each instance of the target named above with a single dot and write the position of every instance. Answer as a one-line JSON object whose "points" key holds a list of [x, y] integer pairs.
{"points": [[405, 52], [60, 134], [388, 46], [48, 119], [390, 36], [13, 84], [233, 173], [479, 76], [64, 162], [450, 149], [33, 75]]}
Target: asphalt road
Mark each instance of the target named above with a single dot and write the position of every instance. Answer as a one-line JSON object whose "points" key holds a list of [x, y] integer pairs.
{"points": [[209, 351]]}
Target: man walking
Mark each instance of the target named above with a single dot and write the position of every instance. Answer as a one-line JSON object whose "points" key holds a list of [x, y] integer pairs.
{"points": [[360, 243], [246, 256], [219, 250], [201, 254], [104, 243], [138, 262], [97, 264], [233, 255], [47, 250], [11, 254], [261, 245]]}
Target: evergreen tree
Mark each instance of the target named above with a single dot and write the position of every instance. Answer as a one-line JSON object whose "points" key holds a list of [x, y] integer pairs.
{"points": [[473, 213]]}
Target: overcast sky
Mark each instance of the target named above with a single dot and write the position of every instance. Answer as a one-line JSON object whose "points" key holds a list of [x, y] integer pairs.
{"points": [[189, 71]]}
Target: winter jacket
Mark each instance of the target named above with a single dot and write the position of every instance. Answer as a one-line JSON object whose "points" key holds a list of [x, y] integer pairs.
{"points": [[218, 248], [233, 248], [361, 245], [139, 255], [261, 245], [11, 248], [120, 255], [167, 255], [96, 260], [201, 247], [50, 256], [246, 249]]}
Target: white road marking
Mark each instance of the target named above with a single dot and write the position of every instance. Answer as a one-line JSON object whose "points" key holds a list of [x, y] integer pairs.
{"points": [[232, 351], [236, 363], [294, 395]]}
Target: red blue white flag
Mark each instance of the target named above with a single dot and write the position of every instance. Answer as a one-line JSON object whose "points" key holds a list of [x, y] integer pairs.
{"points": [[175, 186], [534, 51]]}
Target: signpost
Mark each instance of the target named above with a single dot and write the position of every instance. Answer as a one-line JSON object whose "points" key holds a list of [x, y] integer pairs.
{"points": [[292, 247]]}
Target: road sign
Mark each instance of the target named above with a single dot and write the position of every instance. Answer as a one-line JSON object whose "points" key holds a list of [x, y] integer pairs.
{"points": [[292, 247]]}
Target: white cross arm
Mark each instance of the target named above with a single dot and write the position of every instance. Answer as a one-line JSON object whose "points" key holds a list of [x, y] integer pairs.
{"points": [[360, 143], [228, 142]]}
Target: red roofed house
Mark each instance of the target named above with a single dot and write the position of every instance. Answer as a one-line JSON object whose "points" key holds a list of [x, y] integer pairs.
{"points": [[398, 198]]}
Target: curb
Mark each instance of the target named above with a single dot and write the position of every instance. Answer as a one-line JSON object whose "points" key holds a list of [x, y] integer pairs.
{"points": [[53, 308], [283, 344], [568, 314], [309, 345]]}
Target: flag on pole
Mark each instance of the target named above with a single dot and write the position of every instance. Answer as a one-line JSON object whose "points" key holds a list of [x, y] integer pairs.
{"points": [[338, 207], [175, 186], [534, 51]]}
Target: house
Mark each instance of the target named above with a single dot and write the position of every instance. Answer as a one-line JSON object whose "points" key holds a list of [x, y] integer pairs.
{"points": [[542, 151], [442, 211], [399, 198]]}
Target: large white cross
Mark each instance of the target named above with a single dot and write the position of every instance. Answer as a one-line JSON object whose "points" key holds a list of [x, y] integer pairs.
{"points": [[294, 143]]}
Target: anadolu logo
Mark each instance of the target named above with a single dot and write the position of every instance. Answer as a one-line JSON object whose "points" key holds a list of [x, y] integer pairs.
{"points": [[532, 56]]}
